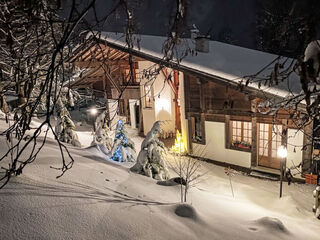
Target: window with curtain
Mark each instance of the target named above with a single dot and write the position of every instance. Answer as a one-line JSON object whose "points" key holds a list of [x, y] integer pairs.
{"points": [[241, 134]]}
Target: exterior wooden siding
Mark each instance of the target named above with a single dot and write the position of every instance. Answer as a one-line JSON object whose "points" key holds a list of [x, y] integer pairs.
{"points": [[211, 101]]}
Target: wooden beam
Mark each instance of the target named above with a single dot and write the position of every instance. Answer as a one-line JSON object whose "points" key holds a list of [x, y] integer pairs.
{"points": [[190, 150], [170, 82], [80, 51], [113, 82], [95, 63], [104, 52], [227, 132], [254, 142], [87, 64], [307, 148]]}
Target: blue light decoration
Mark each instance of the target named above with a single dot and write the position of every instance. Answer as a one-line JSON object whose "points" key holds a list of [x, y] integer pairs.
{"points": [[123, 143], [117, 156]]}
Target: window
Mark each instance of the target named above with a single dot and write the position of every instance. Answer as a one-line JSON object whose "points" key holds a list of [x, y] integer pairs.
{"points": [[136, 77], [197, 128], [147, 96], [269, 140], [241, 135]]}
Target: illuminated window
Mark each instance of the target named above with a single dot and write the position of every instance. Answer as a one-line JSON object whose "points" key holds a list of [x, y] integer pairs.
{"points": [[136, 77], [269, 134], [241, 134], [147, 96]]}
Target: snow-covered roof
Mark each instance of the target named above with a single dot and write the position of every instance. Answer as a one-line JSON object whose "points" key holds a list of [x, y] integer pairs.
{"points": [[223, 61]]}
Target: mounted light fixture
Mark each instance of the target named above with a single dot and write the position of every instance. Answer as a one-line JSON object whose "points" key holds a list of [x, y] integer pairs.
{"points": [[282, 152], [93, 111]]}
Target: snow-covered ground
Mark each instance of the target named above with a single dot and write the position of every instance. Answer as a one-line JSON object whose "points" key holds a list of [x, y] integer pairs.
{"points": [[98, 199]]}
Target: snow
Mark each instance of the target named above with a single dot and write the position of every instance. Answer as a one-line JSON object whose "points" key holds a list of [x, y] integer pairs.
{"points": [[99, 199], [311, 56], [224, 61]]}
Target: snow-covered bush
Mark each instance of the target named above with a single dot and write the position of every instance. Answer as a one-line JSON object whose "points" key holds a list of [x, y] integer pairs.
{"points": [[102, 132], [316, 206], [312, 58], [65, 128], [150, 161], [123, 148]]}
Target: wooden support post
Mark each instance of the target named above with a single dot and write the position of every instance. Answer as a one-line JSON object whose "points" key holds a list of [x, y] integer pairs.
{"points": [[202, 96], [141, 129], [227, 132], [189, 134], [307, 148], [281, 175], [284, 139], [254, 142], [283, 162]]}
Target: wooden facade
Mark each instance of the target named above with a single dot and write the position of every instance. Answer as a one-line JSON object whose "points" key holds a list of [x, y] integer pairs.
{"points": [[106, 71], [245, 128], [207, 99]]}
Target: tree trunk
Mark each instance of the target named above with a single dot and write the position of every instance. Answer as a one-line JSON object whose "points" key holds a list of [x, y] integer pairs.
{"points": [[186, 191]]}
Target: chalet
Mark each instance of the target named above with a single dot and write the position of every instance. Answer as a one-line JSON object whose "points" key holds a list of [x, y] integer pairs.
{"points": [[200, 96]]}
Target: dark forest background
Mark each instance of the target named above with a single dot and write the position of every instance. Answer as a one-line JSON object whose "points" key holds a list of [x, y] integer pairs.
{"points": [[278, 26]]}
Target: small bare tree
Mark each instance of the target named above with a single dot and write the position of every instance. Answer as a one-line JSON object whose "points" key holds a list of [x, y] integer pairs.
{"points": [[189, 169]]}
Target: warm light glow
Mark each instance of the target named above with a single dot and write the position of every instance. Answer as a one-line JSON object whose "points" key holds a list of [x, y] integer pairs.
{"points": [[93, 111], [282, 152], [163, 104], [178, 146]]}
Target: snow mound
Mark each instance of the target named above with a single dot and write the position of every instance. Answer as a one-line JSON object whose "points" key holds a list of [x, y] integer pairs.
{"points": [[271, 224], [103, 148], [186, 211], [2, 115], [172, 182]]}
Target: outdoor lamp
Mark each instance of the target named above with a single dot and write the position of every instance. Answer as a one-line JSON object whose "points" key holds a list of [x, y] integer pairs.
{"points": [[93, 111], [282, 153]]}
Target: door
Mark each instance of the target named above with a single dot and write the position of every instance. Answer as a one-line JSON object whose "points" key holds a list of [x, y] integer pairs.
{"points": [[269, 140]]}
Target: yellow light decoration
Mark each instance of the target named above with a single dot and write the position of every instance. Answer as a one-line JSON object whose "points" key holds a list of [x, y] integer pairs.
{"points": [[178, 146]]}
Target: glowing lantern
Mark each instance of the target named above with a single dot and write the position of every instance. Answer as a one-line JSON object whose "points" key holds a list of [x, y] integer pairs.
{"points": [[282, 152], [178, 146]]}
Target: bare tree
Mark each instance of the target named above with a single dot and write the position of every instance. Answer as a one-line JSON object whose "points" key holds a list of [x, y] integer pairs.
{"points": [[189, 169], [36, 43]]}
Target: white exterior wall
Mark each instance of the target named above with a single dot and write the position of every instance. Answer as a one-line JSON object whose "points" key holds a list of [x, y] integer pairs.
{"points": [[215, 147], [295, 141], [163, 107], [132, 103]]}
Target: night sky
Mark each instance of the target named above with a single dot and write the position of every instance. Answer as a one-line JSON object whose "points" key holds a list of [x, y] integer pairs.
{"points": [[152, 17], [230, 21]]}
